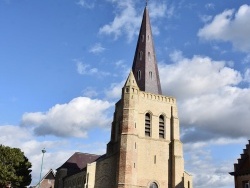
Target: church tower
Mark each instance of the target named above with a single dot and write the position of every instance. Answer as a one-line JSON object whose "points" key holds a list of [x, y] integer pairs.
{"points": [[145, 150], [145, 130]]}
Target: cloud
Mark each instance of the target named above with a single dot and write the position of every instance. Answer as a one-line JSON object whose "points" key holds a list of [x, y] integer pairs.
{"points": [[230, 26], [205, 18], [127, 19], [31, 147], [210, 6], [86, 3], [196, 76], [86, 69], [72, 119], [97, 48], [210, 102], [90, 92], [115, 90], [210, 169]]}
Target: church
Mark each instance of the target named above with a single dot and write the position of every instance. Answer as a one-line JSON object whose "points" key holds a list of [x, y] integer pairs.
{"points": [[144, 150]]}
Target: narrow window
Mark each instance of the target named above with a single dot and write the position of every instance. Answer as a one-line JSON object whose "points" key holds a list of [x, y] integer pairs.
{"points": [[138, 75], [155, 159], [140, 55], [149, 57], [148, 37], [142, 38], [161, 127], [150, 75], [147, 125]]}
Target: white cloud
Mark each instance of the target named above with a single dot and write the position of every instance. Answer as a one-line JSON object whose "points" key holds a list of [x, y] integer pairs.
{"points": [[247, 75], [86, 3], [196, 76], [246, 59], [230, 26], [97, 48], [90, 92], [210, 6], [32, 148], [86, 69], [206, 18], [207, 168], [210, 102], [115, 90], [71, 119], [127, 19]]}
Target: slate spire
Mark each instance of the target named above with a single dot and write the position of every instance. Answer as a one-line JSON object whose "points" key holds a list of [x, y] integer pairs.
{"points": [[145, 67]]}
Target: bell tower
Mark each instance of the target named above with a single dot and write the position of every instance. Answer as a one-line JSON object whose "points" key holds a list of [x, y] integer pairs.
{"points": [[145, 133]]}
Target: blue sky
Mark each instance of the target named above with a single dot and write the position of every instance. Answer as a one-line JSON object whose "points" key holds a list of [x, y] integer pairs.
{"points": [[63, 64]]}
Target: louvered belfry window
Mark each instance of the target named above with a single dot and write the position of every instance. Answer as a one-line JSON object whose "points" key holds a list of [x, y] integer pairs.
{"points": [[147, 124], [161, 127]]}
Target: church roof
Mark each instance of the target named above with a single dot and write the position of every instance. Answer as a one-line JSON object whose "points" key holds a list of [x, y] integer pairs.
{"points": [[50, 176], [79, 161], [145, 65]]}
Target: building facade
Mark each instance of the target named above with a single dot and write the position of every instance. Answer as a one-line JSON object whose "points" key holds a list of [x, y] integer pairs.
{"points": [[145, 150], [242, 169]]}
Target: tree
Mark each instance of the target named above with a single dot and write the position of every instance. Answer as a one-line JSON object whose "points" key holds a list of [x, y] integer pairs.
{"points": [[15, 168]]}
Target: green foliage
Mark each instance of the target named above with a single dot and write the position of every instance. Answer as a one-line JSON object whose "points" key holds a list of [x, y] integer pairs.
{"points": [[14, 167]]}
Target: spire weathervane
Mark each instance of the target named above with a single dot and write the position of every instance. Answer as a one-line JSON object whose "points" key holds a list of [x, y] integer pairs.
{"points": [[146, 2]]}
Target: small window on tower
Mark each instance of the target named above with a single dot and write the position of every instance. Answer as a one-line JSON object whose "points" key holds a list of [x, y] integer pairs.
{"points": [[140, 55], [147, 124], [138, 75], [161, 127], [142, 38], [149, 56], [150, 75]]}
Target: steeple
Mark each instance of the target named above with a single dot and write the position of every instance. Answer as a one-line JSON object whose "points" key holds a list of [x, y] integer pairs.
{"points": [[145, 65]]}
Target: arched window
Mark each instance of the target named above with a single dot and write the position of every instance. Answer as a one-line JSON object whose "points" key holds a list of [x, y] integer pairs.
{"points": [[161, 127], [153, 185], [147, 124], [138, 75]]}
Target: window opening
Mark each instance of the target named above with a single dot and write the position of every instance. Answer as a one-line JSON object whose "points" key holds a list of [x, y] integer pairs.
{"points": [[140, 55], [150, 75], [149, 56], [153, 185], [161, 127], [138, 75], [147, 125], [142, 38]]}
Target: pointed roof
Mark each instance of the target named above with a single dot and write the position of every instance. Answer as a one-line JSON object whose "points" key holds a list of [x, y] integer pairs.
{"points": [[50, 176], [145, 66], [131, 80]]}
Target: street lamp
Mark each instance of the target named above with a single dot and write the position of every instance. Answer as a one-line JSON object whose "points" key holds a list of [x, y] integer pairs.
{"points": [[43, 151]]}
